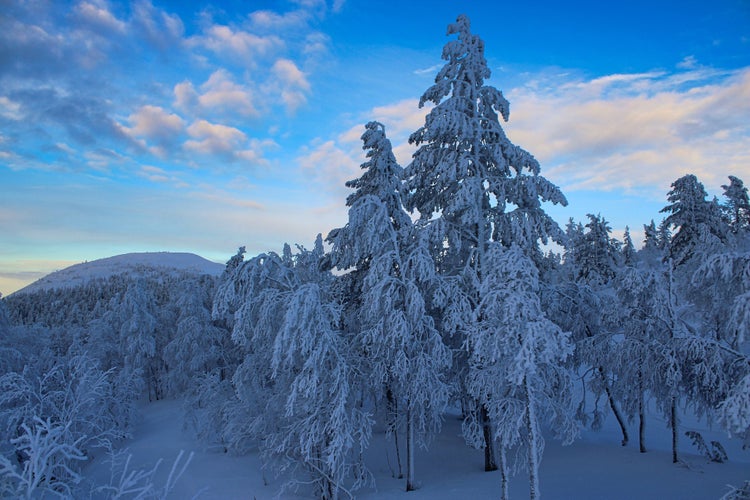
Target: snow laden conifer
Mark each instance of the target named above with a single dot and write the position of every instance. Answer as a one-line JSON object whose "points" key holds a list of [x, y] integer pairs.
{"points": [[465, 168], [471, 187], [583, 301], [717, 362], [297, 398], [402, 349], [697, 222], [516, 366], [737, 206]]}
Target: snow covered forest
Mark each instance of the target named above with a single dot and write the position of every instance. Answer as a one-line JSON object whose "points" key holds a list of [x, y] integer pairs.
{"points": [[448, 289]]}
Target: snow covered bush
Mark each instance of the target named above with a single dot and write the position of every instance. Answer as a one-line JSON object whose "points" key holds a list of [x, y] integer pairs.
{"points": [[126, 482], [52, 419], [47, 465]]}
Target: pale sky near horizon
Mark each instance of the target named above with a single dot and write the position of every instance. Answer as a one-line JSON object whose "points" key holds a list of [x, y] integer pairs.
{"points": [[131, 126]]}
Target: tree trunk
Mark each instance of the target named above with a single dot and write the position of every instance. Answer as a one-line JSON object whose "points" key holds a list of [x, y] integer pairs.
{"points": [[674, 423], [641, 416], [490, 463], [533, 438], [393, 423], [410, 486], [615, 410], [398, 454], [503, 474]]}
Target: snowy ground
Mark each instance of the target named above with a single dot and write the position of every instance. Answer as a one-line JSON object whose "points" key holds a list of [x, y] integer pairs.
{"points": [[594, 467]]}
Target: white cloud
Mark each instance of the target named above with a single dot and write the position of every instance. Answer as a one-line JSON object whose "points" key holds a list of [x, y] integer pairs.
{"points": [[10, 109], [292, 83], [220, 92], [227, 142], [99, 18], [103, 159], [219, 95], [159, 28], [428, 71], [330, 164], [316, 44], [273, 22], [212, 138], [186, 98], [636, 132], [237, 45], [155, 124]]}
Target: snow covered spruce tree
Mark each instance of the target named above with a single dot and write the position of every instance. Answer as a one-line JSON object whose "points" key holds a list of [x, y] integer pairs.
{"points": [[516, 364], [296, 386], [717, 362], [697, 223], [471, 187], [737, 206], [583, 301], [665, 354], [699, 232], [402, 350]]}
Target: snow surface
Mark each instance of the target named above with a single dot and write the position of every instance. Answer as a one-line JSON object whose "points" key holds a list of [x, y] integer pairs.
{"points": [[80, 274], [593, 467]]}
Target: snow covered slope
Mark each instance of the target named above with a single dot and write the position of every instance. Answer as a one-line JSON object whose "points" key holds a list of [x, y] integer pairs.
{"points": [[131, 263]]}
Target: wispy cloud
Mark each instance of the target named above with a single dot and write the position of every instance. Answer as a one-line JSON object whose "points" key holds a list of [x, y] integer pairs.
{"points": [[99, 19], [220, 95], [157, 126], [333, 161], [428, 71], [636, 132], [292, 82], [236, 45], [157, 27]]}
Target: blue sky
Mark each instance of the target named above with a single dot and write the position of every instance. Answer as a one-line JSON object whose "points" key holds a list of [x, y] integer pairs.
{"points": [[200, 127]]}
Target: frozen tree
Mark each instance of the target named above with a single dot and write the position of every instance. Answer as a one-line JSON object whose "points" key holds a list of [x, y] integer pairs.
{"points": [[199, 346], [469, 183], [403, 350], [485, 187], [516, 361], [52, 415], [734, 410], [137, 331], [650, 358], [717, 362], [596, 253], [651, 239], [721, 286], [297, 394], [251, 301], [628, 249], [737, 206], [320, 428], [583, 301], [697, 222], [49, 466]]}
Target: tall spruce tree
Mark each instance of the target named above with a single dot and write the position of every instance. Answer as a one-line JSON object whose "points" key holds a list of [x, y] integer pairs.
{"points": [[401, 347], [471, 185]]}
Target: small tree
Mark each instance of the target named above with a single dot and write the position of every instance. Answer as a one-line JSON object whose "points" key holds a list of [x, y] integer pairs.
{"points": [[697, 222], [737, 205], [516, 362]]}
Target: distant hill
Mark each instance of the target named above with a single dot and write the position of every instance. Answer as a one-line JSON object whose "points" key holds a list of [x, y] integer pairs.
{"points": [[129, 263]]}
